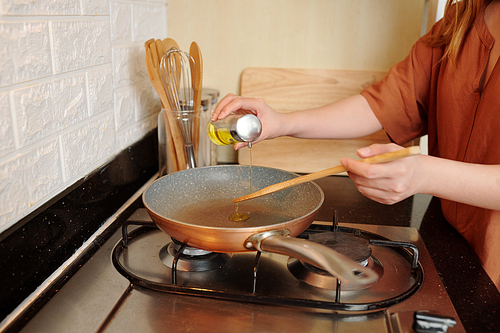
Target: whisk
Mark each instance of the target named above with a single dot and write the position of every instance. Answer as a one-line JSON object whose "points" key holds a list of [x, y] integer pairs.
{"points": [[177, 78]]}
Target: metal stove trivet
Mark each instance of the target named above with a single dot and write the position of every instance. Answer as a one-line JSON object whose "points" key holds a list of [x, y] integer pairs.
{"points": [[252, 295]]}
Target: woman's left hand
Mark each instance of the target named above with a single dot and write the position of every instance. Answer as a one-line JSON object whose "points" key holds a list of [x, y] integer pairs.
{"points": [[387, 183]]}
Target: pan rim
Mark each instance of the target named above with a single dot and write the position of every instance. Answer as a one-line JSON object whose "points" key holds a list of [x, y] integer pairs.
{"points": [[280, 225]]}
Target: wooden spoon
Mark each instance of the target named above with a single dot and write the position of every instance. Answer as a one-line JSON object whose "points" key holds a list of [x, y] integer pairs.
{"points": [[387, 157], [154, 76], [160, 49], [170, 141], [147, 43], [178, 141], [195, 52], [169, 43]]}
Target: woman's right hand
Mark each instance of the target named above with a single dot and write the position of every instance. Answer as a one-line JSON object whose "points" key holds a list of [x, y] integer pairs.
{"points": [[272, 121]]}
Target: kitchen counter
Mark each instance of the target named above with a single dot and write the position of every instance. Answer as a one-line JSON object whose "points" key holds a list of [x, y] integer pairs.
{"points": [[341, 196], [474, 296]]}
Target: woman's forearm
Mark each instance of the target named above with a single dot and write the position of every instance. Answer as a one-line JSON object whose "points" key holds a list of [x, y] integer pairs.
{"points": [[345, 119], [348, 118], [473, 184]]}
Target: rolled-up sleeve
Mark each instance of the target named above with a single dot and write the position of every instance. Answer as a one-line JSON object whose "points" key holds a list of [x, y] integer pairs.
{"points": [[401, 100]]}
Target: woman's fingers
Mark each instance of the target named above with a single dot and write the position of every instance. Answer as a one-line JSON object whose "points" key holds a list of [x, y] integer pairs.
{"points": [[236, 104], [388, 182], [377, 149], [272, 121]]}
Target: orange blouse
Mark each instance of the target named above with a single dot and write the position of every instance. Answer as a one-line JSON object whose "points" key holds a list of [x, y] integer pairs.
{"points": [[424, 94]]}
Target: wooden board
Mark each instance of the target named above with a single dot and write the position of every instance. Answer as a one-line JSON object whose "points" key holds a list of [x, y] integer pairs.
{"points": [[288, 90]]}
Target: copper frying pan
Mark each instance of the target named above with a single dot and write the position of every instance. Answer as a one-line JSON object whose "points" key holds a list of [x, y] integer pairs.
{"points": [[193, 206]]}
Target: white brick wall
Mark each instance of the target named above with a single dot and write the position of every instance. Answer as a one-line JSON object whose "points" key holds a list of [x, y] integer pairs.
{"points": [[74, 92]]}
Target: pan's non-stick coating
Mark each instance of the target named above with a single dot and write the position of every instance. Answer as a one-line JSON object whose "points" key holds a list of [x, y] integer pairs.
{"points": [[199, 202]]}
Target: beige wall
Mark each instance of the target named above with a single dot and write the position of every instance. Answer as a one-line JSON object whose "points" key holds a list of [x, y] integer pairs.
{"points": [[336, 34]]}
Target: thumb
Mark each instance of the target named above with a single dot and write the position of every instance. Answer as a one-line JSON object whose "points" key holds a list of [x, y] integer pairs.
{"points": [[346, 163], [377, 149], [364, 152]]}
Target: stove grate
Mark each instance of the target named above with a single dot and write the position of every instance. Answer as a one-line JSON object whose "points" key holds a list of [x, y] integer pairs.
{"points": [[253, 296]]}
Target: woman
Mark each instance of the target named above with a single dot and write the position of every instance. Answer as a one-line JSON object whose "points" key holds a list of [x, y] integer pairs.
{"points": [[449, 88]]}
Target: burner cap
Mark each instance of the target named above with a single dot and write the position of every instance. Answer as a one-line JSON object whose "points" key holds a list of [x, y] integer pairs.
{"points": [[354, 247], [188, 250], [348, 244], [195, 260]]}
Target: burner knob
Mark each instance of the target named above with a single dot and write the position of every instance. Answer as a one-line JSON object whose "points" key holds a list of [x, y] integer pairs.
{"points": [[426, 322]]}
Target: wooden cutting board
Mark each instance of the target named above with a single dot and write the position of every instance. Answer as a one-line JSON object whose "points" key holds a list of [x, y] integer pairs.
{"points": [[288, 90]]}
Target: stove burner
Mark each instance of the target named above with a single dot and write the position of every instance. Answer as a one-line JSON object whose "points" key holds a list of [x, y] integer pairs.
{"points": [[348, 244], [188, 250], [192, 259], [354, 247]]}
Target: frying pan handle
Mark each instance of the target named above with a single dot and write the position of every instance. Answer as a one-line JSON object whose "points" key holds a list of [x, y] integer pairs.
{"points": [[335, 263]]}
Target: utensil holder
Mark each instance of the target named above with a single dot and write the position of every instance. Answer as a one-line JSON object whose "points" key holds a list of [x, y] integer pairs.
{"points": [[188, 124], [208, 150]]}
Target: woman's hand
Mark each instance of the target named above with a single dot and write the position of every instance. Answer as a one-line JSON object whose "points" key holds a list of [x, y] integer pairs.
{"points": [[387, 183], [272, 121], [472, 184]]}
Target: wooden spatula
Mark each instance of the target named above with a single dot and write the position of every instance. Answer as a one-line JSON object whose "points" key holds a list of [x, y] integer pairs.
{"points": [[387, 157], [195, 52]]}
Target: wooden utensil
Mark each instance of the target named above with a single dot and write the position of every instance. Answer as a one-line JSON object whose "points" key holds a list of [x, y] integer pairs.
{"points": [[164, 103], [195, 52], [170, 142], [169, 43], [147, 43], [154, 75], [387, 157], [160, 50]]}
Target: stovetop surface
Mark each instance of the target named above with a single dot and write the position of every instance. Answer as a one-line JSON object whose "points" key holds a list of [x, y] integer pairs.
{"points": [[99, 299]]}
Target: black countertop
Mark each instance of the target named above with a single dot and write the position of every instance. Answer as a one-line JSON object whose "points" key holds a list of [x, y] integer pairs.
{"points": [[476, 299], [41, 242], [352, 207]]}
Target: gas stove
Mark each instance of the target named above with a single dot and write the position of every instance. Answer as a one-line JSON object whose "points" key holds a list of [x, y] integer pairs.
{"points": [[142, 280], [57, 271]]}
